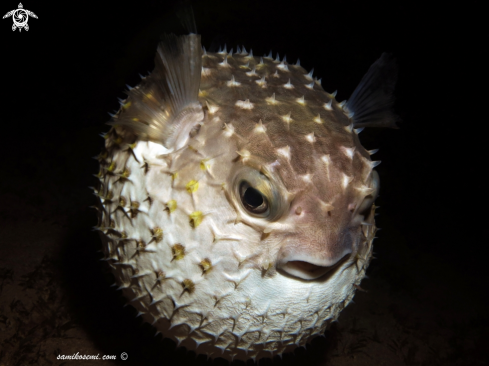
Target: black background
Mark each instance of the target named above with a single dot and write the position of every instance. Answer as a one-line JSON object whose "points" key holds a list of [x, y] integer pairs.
{"points": [[61, 78]]}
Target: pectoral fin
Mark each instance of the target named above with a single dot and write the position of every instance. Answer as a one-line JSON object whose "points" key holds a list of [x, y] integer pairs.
{"points": [[164, 107], [371, 103]]}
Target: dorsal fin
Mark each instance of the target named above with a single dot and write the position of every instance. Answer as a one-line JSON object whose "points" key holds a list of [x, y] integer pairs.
{"points": [[164, 108], [371, 102]]}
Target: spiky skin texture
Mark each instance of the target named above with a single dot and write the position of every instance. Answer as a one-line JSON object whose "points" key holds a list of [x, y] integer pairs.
{"points": [[184, 249]]}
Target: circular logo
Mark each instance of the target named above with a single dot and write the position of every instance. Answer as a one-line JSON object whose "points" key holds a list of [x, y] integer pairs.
{"points": [[124, 356], [20, 17]]}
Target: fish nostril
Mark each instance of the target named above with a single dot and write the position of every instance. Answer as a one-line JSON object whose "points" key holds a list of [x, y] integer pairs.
{"points": [[309, 271]]}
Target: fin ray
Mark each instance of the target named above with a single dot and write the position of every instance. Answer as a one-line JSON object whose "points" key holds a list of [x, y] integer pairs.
{"points": [[164, 107], [371, 102], [185, 13]]}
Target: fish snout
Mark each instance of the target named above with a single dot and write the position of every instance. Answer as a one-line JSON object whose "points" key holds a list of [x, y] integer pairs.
{"points": [[307, 270], [310, 262]]}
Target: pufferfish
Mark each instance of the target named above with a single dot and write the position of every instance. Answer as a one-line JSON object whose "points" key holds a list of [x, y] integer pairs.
{"points": [[236, 201]]}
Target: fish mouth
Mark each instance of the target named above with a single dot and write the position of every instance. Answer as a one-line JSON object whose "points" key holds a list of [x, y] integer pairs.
{"points": [[310, 271]]}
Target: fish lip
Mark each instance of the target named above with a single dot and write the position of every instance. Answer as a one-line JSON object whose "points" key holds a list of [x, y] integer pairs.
{"points": [[308, 271]]}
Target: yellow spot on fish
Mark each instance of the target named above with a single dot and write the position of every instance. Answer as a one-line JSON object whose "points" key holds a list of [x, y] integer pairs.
{"points": [[190, 147], [126, 105], [126, 173], [188, 285], [196, 218], [204, 165], [247, 66], [140, 245], [111, 167], [151, 97], [109, 196], [178, 251], [157, 234], [192, 186], [171, 206], [174, 175], [206, 265]]}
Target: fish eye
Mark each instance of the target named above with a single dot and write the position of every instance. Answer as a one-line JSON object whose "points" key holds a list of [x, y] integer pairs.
{"points": [[252, 199], [257, 194]]}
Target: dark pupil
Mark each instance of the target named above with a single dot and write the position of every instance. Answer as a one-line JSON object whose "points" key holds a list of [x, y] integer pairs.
{"points": [[252, 197]]}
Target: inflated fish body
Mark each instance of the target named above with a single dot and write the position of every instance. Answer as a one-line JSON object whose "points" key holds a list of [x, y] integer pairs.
{"points": [[236, 199]]}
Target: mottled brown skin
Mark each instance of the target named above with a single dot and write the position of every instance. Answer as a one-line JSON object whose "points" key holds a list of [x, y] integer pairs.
{"points": [[326, 228]]}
